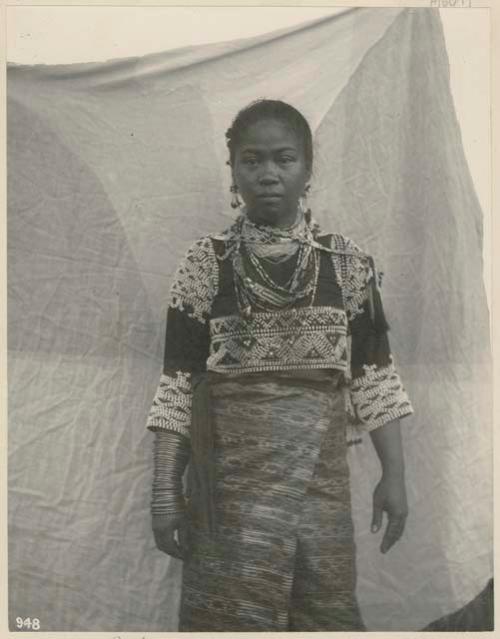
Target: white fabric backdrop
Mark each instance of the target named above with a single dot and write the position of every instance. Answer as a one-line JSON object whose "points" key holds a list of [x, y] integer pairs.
{"points": [[113, 169]]}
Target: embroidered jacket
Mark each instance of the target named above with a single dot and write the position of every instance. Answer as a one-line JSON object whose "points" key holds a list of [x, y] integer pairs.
{"points": [[343, 329]]}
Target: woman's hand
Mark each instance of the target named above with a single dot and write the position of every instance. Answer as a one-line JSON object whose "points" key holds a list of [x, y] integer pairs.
{"points": [[390, 492], [170, 532], [390, 496]]}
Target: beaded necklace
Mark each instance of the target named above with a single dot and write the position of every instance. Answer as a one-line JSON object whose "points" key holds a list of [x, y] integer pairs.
{"points": [[255, 288]]}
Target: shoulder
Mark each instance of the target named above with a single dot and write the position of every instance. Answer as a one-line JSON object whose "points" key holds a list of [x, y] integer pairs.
{"points": [[346, 254], [338, 243], [227, 239], [201, 246], [198, 258], [197, 272], [354, 267], [343, 245], [205, 250]]}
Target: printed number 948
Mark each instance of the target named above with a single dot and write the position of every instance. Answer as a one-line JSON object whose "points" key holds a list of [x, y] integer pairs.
{"points": [[28, 623]]}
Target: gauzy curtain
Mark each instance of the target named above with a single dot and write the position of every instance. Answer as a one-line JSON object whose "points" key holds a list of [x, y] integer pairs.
{"points": [[113, 170]]}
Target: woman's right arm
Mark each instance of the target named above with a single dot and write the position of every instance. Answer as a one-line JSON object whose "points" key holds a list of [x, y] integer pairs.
{"points": [[170, 454], [186, 352]]}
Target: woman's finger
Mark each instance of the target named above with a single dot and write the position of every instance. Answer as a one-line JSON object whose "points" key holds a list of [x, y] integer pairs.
{"points": [[376, 518], [378, 510], [182, 534], [165, 541], [172, 549], [393, 533]]}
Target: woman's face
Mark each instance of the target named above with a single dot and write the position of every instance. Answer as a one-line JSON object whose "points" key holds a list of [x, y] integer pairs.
{"points": [[269, 169]]}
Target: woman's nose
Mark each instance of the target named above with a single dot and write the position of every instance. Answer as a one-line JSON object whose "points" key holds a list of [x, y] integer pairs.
{"points": [[268, 175]]}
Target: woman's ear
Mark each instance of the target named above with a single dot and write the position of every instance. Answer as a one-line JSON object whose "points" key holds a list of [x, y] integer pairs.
{"points": [[230, 165]]}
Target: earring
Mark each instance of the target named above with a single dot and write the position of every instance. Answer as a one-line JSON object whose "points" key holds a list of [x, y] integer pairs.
{"points": [[303, 208], [235, 200]]}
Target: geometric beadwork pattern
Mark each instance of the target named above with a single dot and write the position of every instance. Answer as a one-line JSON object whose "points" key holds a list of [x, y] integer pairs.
{"points": [[301, 338], [171, 408], [378, 396], [355, 273], [196, 280]]}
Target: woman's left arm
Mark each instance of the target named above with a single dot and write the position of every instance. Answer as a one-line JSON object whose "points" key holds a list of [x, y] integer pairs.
{"points": [[390, 492], [377, 397]]}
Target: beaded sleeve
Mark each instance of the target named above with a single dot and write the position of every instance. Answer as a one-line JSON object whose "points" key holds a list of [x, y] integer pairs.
{"points": [[376, 394], [187, 338], [171, 409]]}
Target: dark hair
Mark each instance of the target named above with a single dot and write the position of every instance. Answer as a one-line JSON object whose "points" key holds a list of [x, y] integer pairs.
{"points": [[270, 109]]}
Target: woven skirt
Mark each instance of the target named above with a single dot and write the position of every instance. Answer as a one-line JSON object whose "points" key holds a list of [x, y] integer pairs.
{"points": [[282, 557]]}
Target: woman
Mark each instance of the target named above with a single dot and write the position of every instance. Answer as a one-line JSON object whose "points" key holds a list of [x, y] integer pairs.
{"points": [[275, 334]]}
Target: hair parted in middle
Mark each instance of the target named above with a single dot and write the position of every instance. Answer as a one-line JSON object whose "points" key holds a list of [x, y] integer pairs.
{"points": [[266, 110]]}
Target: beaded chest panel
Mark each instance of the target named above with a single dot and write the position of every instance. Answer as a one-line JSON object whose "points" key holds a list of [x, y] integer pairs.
{"points": [[311, 337]]}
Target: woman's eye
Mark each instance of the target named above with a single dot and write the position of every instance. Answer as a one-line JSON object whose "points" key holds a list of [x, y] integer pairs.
{"points": [[250, 161], [286, 159]]}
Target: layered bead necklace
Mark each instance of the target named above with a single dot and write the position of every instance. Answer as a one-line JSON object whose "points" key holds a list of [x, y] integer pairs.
{"points": [[258, 244]]}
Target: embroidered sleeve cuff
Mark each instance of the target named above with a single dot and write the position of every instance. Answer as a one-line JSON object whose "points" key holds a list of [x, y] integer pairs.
{"points": [[171, 408], [378, 397]]}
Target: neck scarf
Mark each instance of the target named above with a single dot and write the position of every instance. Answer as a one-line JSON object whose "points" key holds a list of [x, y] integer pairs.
{"points": [[274, 243]]}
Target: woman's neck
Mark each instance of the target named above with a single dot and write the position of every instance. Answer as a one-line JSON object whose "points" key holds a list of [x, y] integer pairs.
{"points": [[282, 222]]}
